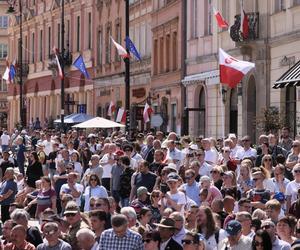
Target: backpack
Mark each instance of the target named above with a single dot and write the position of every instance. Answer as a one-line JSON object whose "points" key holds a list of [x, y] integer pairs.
{"points": [[217, 234]]}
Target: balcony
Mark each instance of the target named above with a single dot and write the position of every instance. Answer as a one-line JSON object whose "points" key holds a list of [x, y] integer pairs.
{"points": [[25, 68], [253, 27], [67, 57]]}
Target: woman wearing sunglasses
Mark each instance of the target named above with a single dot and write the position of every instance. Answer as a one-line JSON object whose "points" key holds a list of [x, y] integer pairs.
{"points": [[151, 240], [94, 189], [193, 241], [261, 241]]}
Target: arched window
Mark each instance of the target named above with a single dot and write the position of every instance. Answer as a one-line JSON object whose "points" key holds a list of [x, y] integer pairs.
{"points": [[202, 110]]}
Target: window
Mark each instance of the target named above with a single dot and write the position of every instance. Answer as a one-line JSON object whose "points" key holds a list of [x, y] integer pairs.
{"points": [[49, 42], [155, 59], [207, 17], [168, 54], [41, 45], [78, 34], [174, 53], [3, 85], [58, 36], [173, 116], [90, 31], [100, 45], [194, 18], [108, 44], [3, 22], [3, 51], [118, 39], [296, 2], [279, 5], [162, 55], [32, 47]]}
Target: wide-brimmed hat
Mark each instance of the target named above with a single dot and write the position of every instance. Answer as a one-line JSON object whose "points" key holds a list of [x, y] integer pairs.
{"points": [[166, 223]]}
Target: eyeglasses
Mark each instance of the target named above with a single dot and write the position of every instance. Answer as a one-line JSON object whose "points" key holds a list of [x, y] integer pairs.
{"points": [[146, 240], [187, 242], [266, 227], [257, 243], [70, 215]]}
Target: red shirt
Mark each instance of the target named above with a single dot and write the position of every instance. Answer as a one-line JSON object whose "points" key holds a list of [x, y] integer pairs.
{"points": [[25, 246]]}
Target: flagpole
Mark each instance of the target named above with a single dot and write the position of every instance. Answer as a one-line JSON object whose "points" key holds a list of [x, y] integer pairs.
{"points": [[62, 111], [127, 71]]}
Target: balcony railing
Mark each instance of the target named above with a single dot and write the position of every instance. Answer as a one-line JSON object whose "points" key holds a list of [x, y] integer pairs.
{"points": [[253, 27], [25, 68], [67, 57]]}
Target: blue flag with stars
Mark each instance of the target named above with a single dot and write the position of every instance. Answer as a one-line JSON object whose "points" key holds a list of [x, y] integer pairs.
{"points": [[79, 64], [130, 46]]}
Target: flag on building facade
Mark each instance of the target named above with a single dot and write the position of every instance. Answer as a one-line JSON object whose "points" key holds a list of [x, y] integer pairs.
{"points": [[147, 112], [121, 51], [121, 116], [10, 72], [60, 72], [131, 47], [232, 70], [111, 108], [220, 20], [244, 28], [79, 64]]}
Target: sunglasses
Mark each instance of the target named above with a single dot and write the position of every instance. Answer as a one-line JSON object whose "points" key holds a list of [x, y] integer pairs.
{"points": [[268, 160], [93, 179], [257, 243], [188, 177], [255, 179], [187, 242], [214, 172], [70, 215], [298, 230], [146, 240], [266, 227], [295, 146], [51, 232], [198, 155], [155, 195], [69, 168], [297, 171]]}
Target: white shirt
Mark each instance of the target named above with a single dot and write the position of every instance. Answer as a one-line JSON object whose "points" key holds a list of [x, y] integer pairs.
{"points": [[66, 189], [211, 156], [269, 185], [164, 244], [48, 146], [292, 190], [5, 139], [179, 198], [241, 154], [106, 167], [137, 157], [98, 191], [205, 169]]}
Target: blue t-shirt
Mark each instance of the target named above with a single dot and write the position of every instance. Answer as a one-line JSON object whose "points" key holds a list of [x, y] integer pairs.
{"points": [[5, 186], [20, 154]]}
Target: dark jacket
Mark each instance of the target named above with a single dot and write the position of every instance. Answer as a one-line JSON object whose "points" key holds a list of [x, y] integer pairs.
{"points": [[173, 245]]}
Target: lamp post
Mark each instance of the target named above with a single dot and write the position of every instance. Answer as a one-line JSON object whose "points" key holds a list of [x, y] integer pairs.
{"points": [[62, 63], [11, 10], [127, 71]]}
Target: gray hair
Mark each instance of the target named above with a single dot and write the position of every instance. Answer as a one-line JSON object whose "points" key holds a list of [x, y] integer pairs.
{"points": [[20, 214], [95, 157], [129, 211], [86, 232]]}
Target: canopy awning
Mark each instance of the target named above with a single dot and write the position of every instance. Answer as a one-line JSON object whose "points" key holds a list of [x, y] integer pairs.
{"points": [[99, 122], [75, 118], [289, 78]]}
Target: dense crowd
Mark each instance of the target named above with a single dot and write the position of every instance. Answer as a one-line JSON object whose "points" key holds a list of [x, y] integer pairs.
{"points": [[79, 190]]}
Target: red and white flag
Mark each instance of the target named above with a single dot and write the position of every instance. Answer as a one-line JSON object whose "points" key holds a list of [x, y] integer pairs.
{"points": [[6, 72], [121, 51], [244, 28], [121, 116], [111, 108], [147, 112], [232, 70], [220, 20], [60, 72]]}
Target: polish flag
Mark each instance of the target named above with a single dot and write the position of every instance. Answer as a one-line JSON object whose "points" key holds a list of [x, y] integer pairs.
{"points": [[121, 51], [147, 112], [6, 73], [111, 108], [10, 71], [232, 70], [220, 20], [60, 72], [121, 116], [244, 25]]}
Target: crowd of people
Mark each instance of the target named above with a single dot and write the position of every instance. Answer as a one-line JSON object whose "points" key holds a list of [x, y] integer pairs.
{"points": [[83, 191]]}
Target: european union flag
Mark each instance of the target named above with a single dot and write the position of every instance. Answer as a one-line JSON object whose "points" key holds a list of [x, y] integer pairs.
{"points": [[130, 46], [79, 64], [12, 73]]}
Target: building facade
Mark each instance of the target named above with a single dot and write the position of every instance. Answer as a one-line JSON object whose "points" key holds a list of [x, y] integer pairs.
{"points": [[217, 110], [41, 33], [3, 54]]}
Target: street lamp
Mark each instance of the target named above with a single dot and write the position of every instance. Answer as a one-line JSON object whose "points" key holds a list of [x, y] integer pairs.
{"points": [[127, 71], [11, 10]]}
